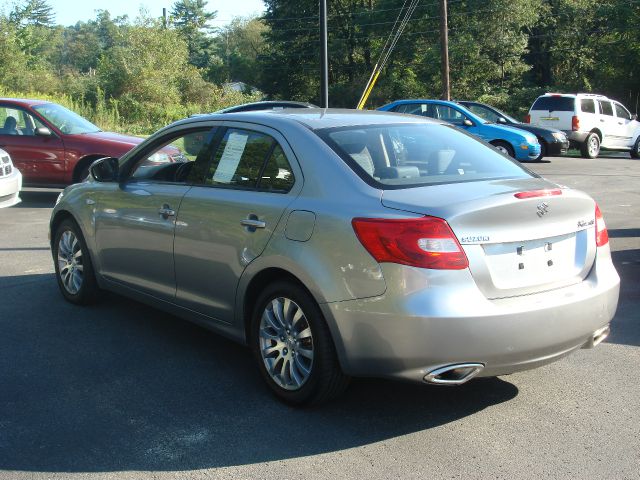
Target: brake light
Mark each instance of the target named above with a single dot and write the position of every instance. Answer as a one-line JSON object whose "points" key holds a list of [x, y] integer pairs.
{"points": [[426, 242], [538, 193], [602, 236], [575, 123], [527, 119]]}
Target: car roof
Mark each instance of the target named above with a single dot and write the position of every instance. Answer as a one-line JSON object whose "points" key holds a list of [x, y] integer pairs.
{"points": [[266, 104], [25, 102], [317, 118]]}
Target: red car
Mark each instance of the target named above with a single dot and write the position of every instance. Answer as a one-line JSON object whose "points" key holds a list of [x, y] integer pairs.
{"points": [[53, 146]]}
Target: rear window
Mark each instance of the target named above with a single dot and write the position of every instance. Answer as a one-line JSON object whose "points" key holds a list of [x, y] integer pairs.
{"points": [[403, 156], [605, 107], [554, 104]]}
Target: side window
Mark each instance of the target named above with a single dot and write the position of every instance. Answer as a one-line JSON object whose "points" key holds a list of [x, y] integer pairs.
{"points": [[174, 159], [239, 159], [605, 107], [484, 113], [449, 114], [277, 175], [587, 105], [622, 112]]}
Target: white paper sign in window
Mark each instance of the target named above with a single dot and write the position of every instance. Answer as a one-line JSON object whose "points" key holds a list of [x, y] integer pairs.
{"points": [[231, 156]]}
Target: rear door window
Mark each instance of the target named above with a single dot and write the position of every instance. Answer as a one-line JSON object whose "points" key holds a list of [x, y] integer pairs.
{"points": [[605, 107], [554, 104], [622, 112]]}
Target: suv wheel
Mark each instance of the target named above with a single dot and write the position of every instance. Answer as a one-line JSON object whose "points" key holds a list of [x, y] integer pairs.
{"points": [[591, 146], [635, 151], [293, 347]]}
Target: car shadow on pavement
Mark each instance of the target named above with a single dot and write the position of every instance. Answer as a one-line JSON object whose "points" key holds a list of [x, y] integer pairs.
{"points": [[120, 386], [625, 327], [37, 199]]}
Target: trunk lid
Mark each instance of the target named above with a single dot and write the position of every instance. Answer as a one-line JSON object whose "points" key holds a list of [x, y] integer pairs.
{"points": [[514, 246]]}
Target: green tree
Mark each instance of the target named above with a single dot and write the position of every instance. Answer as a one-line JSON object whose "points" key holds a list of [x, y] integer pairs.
{"points": [[193, 22]]}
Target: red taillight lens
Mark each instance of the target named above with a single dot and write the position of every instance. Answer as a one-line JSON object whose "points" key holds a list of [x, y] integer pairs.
{"points": [[538, 193], [527, 119], [602, 236], [575, 123], [426, 242]]}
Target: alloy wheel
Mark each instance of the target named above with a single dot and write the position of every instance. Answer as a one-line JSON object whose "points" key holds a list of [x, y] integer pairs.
{"points": [[286, 343], [594, 146], [70, 265]]}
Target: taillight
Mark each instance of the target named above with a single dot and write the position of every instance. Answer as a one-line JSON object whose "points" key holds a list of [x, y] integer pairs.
{"points": [[575, 123], [538, 193], [527, 119], [602, 236], [426, 242]]}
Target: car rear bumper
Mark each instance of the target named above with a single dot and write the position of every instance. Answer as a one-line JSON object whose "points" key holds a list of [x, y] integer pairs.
{"points": [[421, 324], [576, 137], [10, 189]]}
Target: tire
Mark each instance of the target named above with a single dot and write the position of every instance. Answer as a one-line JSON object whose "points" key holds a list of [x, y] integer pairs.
{"points": [[590, 148], [504, 147], [293, 348], [84, 173], [74, 270], [543, 151], [635, 151]]}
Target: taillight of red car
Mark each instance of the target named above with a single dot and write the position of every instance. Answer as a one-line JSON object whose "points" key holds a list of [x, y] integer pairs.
{"points": [[426, 242], [602, 236]]}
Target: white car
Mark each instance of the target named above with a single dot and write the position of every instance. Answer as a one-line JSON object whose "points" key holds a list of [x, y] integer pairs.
{"points": [[10, 181], [591, 122]]}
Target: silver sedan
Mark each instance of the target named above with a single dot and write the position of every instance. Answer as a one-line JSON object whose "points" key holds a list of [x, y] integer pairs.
{"points": [[338, 243]]}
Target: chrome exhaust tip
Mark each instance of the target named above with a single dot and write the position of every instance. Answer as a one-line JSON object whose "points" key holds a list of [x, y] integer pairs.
{"points": [[456, 374], [598, 337]]}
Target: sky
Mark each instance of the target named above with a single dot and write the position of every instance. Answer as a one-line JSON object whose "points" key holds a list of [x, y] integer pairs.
{"points": [[68, 12]]}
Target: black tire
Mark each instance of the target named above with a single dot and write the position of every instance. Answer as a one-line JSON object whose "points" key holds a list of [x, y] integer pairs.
{"points": [[635, 151], [87, 291], [590, 148], [325, 380], [504, 147], [543, 151]]}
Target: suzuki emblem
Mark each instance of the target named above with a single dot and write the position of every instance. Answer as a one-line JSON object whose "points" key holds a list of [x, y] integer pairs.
{"points": [[543, 208]]}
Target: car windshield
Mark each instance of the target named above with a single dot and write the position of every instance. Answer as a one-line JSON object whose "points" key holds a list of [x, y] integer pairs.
{"points": [[411, 155], [65, 120]]}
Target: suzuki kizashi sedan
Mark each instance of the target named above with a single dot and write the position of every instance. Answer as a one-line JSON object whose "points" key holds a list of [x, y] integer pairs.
{"points": [[338, 243]]}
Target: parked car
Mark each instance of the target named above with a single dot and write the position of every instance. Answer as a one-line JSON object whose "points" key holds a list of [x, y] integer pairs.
{"points": [[592, 122], [266, 105], [510, 141], [10, 181], [53, 146], [341, 243], [553, 142]]}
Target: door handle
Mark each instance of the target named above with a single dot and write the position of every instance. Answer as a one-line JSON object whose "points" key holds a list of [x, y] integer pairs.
{"points": [[165, 211], [253, 223]]}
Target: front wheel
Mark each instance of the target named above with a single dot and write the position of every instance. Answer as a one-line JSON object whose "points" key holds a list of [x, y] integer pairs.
{"points": [[505, 148], [293, 347], [74, 270], [591, 146], [635, 151]]}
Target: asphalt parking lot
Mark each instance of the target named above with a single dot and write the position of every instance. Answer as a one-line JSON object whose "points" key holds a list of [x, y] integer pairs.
{"points": [[120, 390]]}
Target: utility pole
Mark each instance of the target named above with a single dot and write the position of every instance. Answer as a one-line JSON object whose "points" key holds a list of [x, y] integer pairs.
{"points": [[164, 18], [444, 49], [324, 58]]}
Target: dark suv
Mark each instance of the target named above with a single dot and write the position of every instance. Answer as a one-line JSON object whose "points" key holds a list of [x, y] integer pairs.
{"points": [[53, 146]]}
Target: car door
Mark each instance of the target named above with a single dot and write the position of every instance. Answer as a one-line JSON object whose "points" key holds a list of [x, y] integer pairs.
{"points": [[626, 126], [225, 223], [608, 124], [135, 221], [40, 158]]}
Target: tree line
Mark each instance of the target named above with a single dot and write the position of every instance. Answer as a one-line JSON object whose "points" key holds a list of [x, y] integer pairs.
{"points": [[141, 73]]}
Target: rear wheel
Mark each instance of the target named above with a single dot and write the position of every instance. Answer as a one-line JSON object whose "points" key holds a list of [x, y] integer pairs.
{"points": [[293, 347], [504, 147], [635, 151], [74, 270], [591, 146]]}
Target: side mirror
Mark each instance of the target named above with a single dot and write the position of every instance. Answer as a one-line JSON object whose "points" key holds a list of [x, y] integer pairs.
{"points": [[105, 169], [502, 120], [42, 132], [467, 123]]}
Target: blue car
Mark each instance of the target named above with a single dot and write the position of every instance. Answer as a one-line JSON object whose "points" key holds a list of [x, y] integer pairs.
{"points": [[516, 143]]}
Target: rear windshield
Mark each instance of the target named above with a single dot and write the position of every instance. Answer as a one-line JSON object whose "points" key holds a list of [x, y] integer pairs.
{"points": [[412, 155], [554, 104]]}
